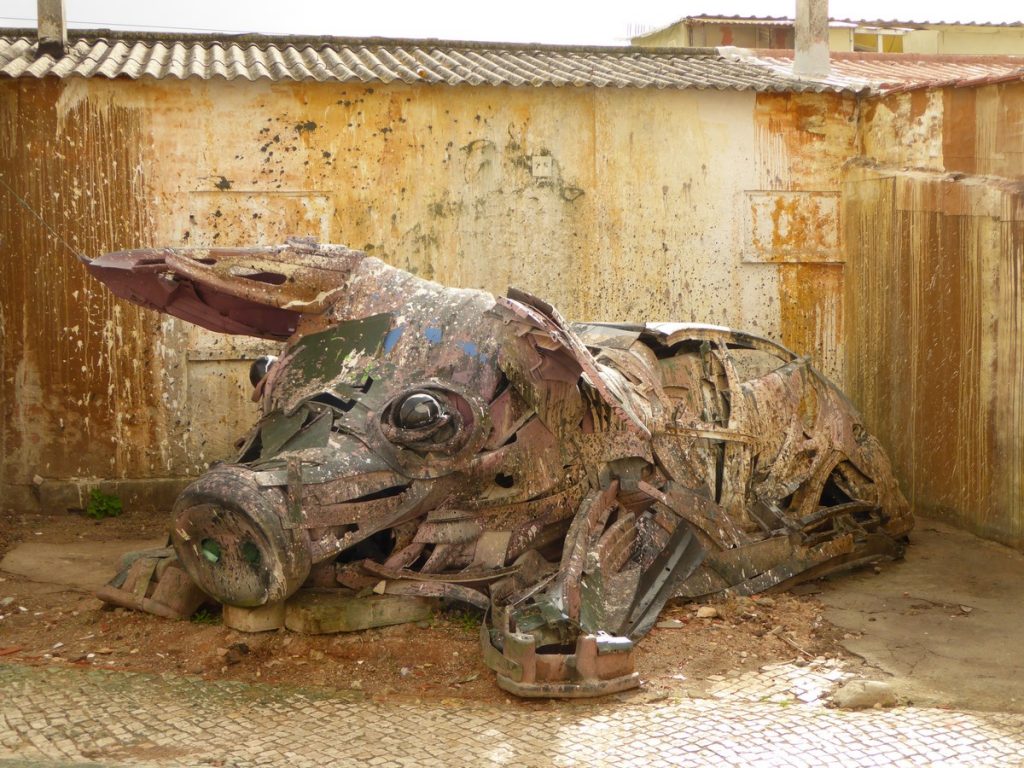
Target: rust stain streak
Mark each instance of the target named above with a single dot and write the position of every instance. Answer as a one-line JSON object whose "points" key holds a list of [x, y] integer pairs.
{"points": [[934, 346], [1010, 355], [82, 361]]}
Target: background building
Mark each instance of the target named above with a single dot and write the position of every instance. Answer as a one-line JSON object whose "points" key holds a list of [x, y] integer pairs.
{"points": [[871, 219], [844, 35]]}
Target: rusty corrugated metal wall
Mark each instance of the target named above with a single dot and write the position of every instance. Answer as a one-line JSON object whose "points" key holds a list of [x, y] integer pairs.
{"points": [[78, 369], [935, 296], [615, 204]]}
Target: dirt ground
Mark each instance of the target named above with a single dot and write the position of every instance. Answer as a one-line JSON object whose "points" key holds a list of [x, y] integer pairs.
{"points": [[46, 624]]}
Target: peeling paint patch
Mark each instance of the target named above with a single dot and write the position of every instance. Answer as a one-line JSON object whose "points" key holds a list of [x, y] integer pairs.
{"points": [[392, 338], [794, 227]]}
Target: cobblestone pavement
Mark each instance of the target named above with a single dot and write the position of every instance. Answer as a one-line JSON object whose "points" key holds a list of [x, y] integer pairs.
{"points": [[783, 683], [65, 717]]}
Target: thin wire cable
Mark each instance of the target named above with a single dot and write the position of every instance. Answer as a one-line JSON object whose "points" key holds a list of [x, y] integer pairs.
{"points": [[51, 230], [134, 27]]}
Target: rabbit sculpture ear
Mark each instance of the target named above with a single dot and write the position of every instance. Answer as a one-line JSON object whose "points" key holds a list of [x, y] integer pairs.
{"points": [[553, 369], [261, 292]]}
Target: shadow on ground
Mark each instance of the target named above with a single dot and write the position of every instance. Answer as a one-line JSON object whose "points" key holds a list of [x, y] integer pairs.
{"points": [[946, 622]]}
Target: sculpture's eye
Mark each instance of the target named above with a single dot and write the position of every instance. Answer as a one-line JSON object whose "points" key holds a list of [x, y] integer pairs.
{"points": [[428, 419], [428, 430], [417, 411]]}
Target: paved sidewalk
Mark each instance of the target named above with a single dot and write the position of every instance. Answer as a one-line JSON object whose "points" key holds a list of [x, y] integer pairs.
{"points": [[72, 717]]}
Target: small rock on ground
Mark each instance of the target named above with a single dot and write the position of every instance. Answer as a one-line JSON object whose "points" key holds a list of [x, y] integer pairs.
{"points": [[670, 624], [864, 694]]}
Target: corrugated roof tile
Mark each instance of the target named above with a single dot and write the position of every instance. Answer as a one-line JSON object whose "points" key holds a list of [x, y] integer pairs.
{"points": [[888, 72], [336, 68], [143, 54], [136, 55]]}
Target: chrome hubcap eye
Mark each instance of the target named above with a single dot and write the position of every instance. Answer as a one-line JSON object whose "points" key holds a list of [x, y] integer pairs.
{"points": [[417, 411]]}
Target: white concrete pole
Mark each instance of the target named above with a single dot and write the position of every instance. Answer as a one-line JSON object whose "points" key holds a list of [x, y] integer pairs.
{"points": [[53, 28], [811, 56]]}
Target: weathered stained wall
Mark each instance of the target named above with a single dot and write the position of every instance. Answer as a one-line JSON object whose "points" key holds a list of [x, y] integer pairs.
{"points": [[795, 220], [684, 34], [934, 38], [614, 204], [950, 38], [79, 370], [935, 297]]}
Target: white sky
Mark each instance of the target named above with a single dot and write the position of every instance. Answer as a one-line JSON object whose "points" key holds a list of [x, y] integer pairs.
{"points": [[540, 21]]}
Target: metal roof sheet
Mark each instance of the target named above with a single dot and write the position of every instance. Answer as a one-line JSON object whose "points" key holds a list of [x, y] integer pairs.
{"points": [[761, 21], [252, 57], [784, 20], [888, 72]]}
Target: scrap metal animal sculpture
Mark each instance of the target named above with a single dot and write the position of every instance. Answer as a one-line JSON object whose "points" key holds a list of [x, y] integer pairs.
{"points": [[569, 479]]}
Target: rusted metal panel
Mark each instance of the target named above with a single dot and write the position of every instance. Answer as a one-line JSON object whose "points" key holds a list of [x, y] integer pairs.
{"points": [[1001, 132], [886, 73], [793, 227], [79, 370], [805, 140], [1009, 384], [796, 219], [933, 304], [934, 342], [811, 300], [983, 130], [376, 458], [903, 131], [959, 124]]}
